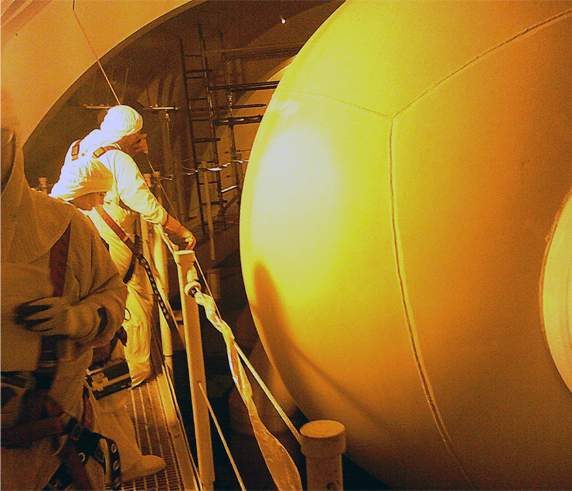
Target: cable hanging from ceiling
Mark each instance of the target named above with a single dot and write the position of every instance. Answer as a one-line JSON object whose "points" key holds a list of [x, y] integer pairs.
{"points": [[116, 97]]}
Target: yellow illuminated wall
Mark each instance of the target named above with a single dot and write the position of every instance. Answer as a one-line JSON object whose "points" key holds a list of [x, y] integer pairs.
{"points": [[397, 213]]}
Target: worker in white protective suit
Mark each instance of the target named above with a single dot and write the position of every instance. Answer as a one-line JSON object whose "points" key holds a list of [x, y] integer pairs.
{"points": [[114, 144], [85, 186], [61, 295]]}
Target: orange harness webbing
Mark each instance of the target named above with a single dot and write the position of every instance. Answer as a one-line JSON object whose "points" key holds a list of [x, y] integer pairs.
{"points": [[142, 260], [98, 153]]}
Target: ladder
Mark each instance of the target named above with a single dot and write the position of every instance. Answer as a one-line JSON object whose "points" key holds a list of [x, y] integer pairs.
{"points": [[204, 87]]}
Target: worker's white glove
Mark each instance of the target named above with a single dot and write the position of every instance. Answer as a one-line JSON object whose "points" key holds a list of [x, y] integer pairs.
{"points": [[173, 226], [54, 316]]}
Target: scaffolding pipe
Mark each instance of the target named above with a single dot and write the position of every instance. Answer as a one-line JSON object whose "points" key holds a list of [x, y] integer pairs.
{"points": [[195, 362], [165, 119], [209, 215], [230, 103], [323, 443]]}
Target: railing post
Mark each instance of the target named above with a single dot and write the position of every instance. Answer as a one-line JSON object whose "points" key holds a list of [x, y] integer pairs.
{"points": [[323, 443], [158, 251], [195, 362]]}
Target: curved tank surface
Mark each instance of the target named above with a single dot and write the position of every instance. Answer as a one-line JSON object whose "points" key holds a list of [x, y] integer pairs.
{"points": [[406, 191]]}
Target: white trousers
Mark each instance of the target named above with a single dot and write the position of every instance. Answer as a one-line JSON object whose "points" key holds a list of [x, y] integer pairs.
{"points": [[138, 312]]}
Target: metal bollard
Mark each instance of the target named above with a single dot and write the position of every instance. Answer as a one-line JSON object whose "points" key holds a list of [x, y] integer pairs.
{"points": [[323, 443]]}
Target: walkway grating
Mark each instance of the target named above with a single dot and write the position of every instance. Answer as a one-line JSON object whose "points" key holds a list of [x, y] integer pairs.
{"points": [[160, 432]]}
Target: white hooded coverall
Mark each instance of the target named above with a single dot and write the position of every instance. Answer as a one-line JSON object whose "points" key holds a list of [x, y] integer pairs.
{"points": [[128, 197], [91, 176], [31, 224]]}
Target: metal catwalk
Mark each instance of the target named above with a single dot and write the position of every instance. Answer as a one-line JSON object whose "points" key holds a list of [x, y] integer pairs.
{"points": [[155, 415]]}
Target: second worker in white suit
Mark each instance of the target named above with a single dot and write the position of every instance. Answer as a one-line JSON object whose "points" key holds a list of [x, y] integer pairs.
{"points": [[114, 144]]}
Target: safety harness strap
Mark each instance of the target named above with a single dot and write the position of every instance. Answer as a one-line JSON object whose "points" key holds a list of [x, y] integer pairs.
{"points": [[58, 262], [75, 150], [141, 258], [48, 361], [80, 445], [78, 448], [98, 153], [118, 230], [101, 150], [43, 417]]}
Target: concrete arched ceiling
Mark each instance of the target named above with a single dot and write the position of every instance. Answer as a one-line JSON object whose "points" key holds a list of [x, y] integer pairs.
{"points": [[51, 70], [44, 48]]}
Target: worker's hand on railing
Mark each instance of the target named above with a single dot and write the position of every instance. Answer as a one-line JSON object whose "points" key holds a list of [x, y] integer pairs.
{"points": [[191, 242], [174, 227]]}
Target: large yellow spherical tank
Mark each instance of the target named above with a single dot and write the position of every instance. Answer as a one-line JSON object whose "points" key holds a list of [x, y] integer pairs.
{"points": [[406, 188]]}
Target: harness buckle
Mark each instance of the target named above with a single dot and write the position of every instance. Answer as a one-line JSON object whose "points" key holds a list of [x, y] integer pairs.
{"points": [[76, 431]]}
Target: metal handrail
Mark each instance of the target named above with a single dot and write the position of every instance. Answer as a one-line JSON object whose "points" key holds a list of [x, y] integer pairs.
{"points": [[322, 442]]}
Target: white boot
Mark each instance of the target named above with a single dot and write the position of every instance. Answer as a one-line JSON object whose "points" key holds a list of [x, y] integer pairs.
{"points": [[148, 465]]}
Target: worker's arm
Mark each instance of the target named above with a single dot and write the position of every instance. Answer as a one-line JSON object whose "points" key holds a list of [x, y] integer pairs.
{"points": [[135, 193], [132, 188]]}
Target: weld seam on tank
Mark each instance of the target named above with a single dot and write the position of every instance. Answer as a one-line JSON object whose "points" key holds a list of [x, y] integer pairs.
{"points": [[526, 32], [416, 348], [325, 97], [412, 331]]}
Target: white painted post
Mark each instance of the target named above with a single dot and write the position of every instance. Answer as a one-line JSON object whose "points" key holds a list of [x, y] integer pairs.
{"points": [[195, 362], [323, 443], [158, 255]]}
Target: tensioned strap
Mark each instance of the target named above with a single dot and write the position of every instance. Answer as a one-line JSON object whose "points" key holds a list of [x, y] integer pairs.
{"points": [[48, 361], [98, 153], [141, 258], [75, 150], [118, 230], [58, 262], [101, 150], [81, 444]]}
